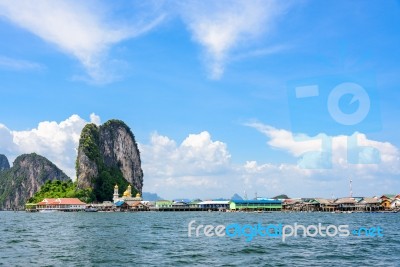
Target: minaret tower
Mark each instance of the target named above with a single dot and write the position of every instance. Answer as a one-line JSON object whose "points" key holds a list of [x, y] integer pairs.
{"points": [[129, 190], [116, 195]]}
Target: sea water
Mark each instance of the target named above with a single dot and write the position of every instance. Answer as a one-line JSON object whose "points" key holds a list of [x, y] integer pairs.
{"points": [[161, 239]]}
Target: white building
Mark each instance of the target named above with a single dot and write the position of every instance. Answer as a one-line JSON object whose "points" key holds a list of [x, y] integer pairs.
{"points": [[126, 196]]}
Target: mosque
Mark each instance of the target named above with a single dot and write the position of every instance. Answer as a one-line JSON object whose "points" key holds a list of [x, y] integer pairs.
{"points": [[126, 196]]}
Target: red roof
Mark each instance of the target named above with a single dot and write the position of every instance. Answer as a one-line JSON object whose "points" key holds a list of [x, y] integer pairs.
{"points": [[61, 201], [46, 201], [137, 203]]}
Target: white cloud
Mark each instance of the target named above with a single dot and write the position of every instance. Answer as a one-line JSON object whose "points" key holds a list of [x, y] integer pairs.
{"points": [[79, 28], [87, 30], [17, 64], [6, 141], [283, 139], [56, 141], [199, 166], [196, 164], [197, 155], [95, 119], [221, 26], [343, 151]]}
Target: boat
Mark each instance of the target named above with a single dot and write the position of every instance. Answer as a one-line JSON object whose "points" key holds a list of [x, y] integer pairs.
{"points": [[91, 209], [48, 210]]}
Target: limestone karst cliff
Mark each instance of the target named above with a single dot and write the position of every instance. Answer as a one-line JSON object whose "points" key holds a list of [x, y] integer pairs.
{"points": [[28, 173], [108, 155]]}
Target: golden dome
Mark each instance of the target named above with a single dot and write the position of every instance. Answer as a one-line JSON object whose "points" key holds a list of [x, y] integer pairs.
{"points": [[128, 192], [116, 186], [138, 195]]}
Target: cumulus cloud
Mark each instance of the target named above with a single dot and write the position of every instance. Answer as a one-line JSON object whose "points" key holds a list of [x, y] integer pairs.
{"points": [[283, 139], [95, 119], [196, 164], [79, 28], [269, 179], [197, 155], [342, 151], [6, 141], [56, 141], [221, 26], [201, 167]]}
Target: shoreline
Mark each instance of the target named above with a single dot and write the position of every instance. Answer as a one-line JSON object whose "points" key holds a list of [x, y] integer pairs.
{"points": [[211, 211]]}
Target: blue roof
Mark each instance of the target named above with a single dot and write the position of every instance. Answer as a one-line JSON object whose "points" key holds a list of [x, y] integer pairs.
{"points": [[119, 203], [263, 201]]}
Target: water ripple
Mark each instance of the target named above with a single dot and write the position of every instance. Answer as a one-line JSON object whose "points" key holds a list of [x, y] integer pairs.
{"points": [[154, 239]]}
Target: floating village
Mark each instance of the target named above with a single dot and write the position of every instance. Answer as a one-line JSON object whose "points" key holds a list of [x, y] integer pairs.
{"points": [[128, 203]]}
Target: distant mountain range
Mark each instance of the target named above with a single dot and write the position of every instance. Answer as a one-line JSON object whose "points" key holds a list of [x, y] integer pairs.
{"points": [[154, 197], [282, 196], [151, 196], [236, 197]]}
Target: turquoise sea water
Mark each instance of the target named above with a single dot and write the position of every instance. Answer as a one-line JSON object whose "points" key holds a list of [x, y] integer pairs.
{"points": [[161, 239]]}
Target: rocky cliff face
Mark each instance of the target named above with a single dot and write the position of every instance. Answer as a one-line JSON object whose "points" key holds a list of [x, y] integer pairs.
{"points": [[4, 164], [28, 174], [108, 155]]}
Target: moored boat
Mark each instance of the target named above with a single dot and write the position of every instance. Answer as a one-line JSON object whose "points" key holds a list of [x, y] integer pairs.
{"points": [[91, 209], [48, 210]]}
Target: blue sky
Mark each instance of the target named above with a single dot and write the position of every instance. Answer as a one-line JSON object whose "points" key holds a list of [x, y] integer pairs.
{"points": [[206, 89]]}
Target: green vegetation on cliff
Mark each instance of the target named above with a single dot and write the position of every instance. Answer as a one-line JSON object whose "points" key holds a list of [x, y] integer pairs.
{"points": [[6, 185], [106, 181], [89, 140], [118, 123], [108, 177], [23, 180], [61, 189]]}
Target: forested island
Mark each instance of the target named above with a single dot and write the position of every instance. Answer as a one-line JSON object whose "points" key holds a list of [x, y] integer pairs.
{"points": [[108, 155]]}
